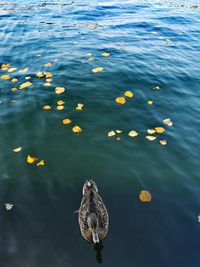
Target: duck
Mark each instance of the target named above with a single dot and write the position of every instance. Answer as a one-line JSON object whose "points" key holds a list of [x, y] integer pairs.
{"points": [[92, 215]]}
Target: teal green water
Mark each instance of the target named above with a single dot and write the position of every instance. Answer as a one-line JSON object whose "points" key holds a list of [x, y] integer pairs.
{"points": [[151, 43]]}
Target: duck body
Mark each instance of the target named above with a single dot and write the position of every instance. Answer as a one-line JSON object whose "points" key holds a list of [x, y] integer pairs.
{"points": [[92, 215]]}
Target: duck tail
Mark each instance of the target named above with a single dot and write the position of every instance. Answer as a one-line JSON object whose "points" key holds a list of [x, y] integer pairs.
{"points": [[95, 237]]}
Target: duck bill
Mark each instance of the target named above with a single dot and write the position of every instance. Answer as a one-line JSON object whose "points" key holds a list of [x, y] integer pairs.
{"points": [[95, 237]]}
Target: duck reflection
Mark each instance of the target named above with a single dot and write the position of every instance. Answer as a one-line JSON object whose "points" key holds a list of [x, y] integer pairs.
{"points": [[98, 247]]}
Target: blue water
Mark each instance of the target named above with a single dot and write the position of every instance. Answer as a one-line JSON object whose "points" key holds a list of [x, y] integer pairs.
{"points": [[151, 43]]}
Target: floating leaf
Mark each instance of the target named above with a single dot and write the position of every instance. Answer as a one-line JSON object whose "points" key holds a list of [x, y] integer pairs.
{"points": [[128, 94], [163, 142], [120, 100], [5, 77], [14, 80], [105, 54], [48, 74], [47, 84], [27, 78], [5, 66], [13, 89], [79, 106], [39, 74], [46, 107], [8, 206], [59, 90], [60, 102], [111, 133], [12, 69], [168, 122], [76, 129], [91, 58], [151, 131], [31, 159], [89, 54], [118, 131], [23, 70], [132, 133], [48, 65], [67, 121], [60, 107], [145, 196], [97, 69], [150, 137], [150, 102], [157, 87], [40, 163], [24, 85], [159, 129], [18, 149], [48, 80], [118, 138]]}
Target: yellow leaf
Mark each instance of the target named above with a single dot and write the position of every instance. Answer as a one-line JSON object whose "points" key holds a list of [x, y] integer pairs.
{"points": [[18, 149], [111, 133], [159, 129], [40, 163], [132, 133], [12, 69], [163, 142], [60, 107], [48, 74], [105, 54], [150, 102], [5, 77], [128, 94], [151, 131], [39, 74], [48, 65], [59, 90], [118, 131], [47, 107], [97, 69], [168, 122], [91, 58], [79, 106], [31, 159], [67, 121], [24, 85], [120, 100], [23, 70], [145, 196], [13, 88], [14, 80], [60, 102], [150, 137], [27, 77], [49, 80], [5, 66], [76, 129]]}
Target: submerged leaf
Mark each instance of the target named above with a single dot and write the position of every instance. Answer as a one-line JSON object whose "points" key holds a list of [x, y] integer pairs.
{"points": [[13, 89], [163, 142], [76, 129], [160, 129], [105, 54], [67, 121], [150, 137], [14, 80], [59, 90], [132, 133], [31, 159], [47, 84], [97, 69], [145, 196], [168, 122], [27, 78], [128, 94], [120, 100], [24, 85], [79, 106], [23, 70], [48, 65], [157, 87]]}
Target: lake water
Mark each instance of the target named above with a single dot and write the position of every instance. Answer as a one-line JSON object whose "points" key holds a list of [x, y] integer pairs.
{"points": [[151, 44]]}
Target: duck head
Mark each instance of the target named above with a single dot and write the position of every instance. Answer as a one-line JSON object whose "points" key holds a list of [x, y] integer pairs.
{"points": [[89, 184]]}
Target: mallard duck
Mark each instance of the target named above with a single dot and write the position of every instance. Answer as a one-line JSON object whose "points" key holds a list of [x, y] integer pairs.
{"points": [[92, 214]]}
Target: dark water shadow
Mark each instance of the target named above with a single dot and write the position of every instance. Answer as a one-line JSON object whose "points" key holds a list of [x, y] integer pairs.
{"points": [[98, 248]]}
